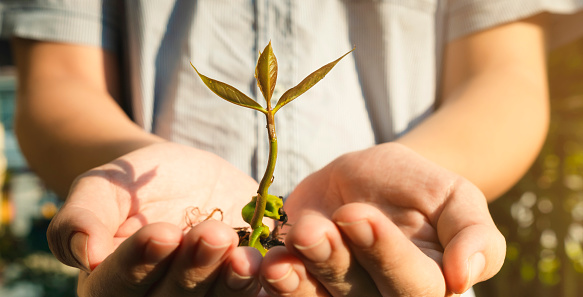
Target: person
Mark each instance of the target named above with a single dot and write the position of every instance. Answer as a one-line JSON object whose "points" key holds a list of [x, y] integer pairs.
{"points": [[389, 162]]}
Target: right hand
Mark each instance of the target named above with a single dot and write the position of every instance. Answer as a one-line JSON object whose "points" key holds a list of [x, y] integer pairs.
{"points": [[124, 225]]}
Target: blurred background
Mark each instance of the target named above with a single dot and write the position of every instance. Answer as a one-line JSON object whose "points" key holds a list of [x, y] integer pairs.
{"points": [[27, 267], [541, 217]]}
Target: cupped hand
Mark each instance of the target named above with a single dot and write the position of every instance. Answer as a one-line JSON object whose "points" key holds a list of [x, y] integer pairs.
{"points": [[384, 222], [138, 226]]}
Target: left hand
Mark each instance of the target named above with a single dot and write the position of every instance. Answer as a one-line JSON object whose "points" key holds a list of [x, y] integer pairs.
{"points": [[384, 222]]}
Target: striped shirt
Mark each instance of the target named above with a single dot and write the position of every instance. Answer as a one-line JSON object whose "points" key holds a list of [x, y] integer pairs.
{"points": [[387, 86], [382, 90]]}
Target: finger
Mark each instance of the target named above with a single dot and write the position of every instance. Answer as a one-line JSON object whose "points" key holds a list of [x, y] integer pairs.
{"points": [[136, 265], [394, 262], [474, 247], [318, 243], [240, 275], [199, 260], [283, 274]]}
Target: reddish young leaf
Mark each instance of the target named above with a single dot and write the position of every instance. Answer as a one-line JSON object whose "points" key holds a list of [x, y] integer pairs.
{"points": [[266, 73], [229, 92], [307, 83]]}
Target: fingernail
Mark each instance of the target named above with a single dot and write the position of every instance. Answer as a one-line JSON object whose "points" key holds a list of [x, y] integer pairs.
{"points": [[208, 254], [236, 281], [157, 251], [288, 283], [320, 251], [78, 246], [359, 232], [476, 265]]}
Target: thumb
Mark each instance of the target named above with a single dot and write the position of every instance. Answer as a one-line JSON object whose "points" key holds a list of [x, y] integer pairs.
{"points": [[78, 238], [474, 255], [82, 233], [474, 247]]}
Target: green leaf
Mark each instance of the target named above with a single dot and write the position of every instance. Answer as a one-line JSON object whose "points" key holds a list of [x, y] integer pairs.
{"points": [[307, 83], [266, 73], [229, 92], [272, 207], [248, 210]]}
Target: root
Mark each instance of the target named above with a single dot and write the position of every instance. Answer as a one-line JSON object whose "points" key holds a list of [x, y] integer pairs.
{"points": [[194, 216]]}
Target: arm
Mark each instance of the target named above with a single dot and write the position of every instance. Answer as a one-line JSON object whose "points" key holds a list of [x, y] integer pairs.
{"points": [[67, 119], [494, 110]]}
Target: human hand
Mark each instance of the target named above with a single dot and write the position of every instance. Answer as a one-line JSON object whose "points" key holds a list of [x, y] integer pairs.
{"points": [[384, 221], [126, 225]]}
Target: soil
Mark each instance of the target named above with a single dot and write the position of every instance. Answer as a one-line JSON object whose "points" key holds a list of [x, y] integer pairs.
{"points": [[272, 240], [194, 216]]}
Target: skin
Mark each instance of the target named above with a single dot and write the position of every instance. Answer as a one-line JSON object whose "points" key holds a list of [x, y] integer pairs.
{"points": [[424, 224], [494, 107], [375, 226], [120, 212], [424, 201], [109, 203]]}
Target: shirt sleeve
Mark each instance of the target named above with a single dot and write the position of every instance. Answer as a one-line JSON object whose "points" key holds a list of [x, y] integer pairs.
{"points": [[88, 22], [470, 16]]}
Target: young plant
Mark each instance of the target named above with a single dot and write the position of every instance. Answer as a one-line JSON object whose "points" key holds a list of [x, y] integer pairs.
{"points": [[265, 204]]}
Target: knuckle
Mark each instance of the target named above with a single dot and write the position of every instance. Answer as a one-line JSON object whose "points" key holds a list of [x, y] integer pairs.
{"points": [[136, 279], [329, 273], [190, 282]]}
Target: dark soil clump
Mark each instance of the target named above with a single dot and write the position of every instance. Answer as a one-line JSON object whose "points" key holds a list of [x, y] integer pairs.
{"points": [[272, 240]]}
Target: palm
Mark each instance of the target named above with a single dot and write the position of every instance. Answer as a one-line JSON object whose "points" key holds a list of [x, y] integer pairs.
{"points": [[407, 189], [163, 183], [126, 224]]}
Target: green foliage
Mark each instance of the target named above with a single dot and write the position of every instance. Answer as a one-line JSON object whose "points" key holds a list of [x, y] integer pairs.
{"points": [[264, 204], [266, 73], [272, 208], [266, 76], [229, 92]]}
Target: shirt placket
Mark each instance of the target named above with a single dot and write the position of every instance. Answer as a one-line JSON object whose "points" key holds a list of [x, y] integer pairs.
{"points": [[274, 19]]}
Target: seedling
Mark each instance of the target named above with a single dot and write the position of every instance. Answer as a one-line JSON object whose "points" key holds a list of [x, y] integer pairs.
{"points": [[265, 204]]}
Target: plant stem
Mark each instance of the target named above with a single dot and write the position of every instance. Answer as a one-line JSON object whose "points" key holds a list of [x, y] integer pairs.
{"points": [[267, 179]]}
